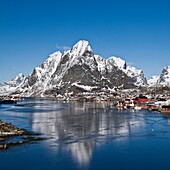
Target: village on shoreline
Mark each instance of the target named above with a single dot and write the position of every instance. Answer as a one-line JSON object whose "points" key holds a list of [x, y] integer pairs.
{"points": [[153, 99]]}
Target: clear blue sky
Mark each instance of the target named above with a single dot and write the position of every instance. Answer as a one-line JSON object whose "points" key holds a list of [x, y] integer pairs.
{"points": [[136, 30]]}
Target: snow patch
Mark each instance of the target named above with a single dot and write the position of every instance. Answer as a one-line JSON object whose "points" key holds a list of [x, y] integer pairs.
{"points": [[87, 88]]}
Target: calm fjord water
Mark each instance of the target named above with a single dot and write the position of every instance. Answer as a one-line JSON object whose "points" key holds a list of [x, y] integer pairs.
{"points": [[87, 136]]}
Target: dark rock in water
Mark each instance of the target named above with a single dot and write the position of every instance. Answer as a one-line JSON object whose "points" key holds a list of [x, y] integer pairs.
{"points": [[31, 140], [8, 101], [8, 130]]}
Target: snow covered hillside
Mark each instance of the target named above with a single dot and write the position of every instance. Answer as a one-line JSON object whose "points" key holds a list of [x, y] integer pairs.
{"points": [[11, 85], [77, 70], [153, 80], [164, 78], [136, 75]]}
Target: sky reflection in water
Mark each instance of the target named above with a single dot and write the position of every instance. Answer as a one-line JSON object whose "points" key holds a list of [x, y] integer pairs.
{"points": [[95, 135]]}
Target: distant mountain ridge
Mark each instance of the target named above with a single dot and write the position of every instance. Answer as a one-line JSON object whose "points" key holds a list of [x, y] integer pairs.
{"points": [[78, 70], [11, 85], [153, 80], [162, 80]]}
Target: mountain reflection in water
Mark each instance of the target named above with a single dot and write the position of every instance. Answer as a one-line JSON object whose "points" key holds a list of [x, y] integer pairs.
{"points": [[80, 129], [81, 125]]}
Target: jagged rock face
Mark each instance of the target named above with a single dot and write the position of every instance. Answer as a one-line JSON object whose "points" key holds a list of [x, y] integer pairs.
{"points": [[79, 69], [81, 66], [137, 76], [162, 80], [36, 83], [165, 77], [78, 75]]}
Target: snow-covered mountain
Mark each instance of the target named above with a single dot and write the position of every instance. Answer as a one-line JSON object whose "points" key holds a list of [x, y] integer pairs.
{"points": [[11, 85], [37, 81], [164, 78], [137, 76], [79, 69], [153, 80]]}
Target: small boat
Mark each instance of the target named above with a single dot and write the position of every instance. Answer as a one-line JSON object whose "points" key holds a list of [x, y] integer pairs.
{"points": [[165, 109], [8, 101]]}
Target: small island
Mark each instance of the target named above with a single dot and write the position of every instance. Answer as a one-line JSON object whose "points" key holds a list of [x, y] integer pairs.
{"points": [[8, 132]]}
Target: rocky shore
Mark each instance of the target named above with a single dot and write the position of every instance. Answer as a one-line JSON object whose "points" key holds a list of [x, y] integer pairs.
{"points": [[8, 132]]}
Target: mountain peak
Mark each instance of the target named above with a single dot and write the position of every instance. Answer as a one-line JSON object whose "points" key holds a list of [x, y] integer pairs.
{"points": [[136, 75], [78, 70], [17, 78], [55, 54], [11, 85], [165, 76], [82, 42], [81, 47]]}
